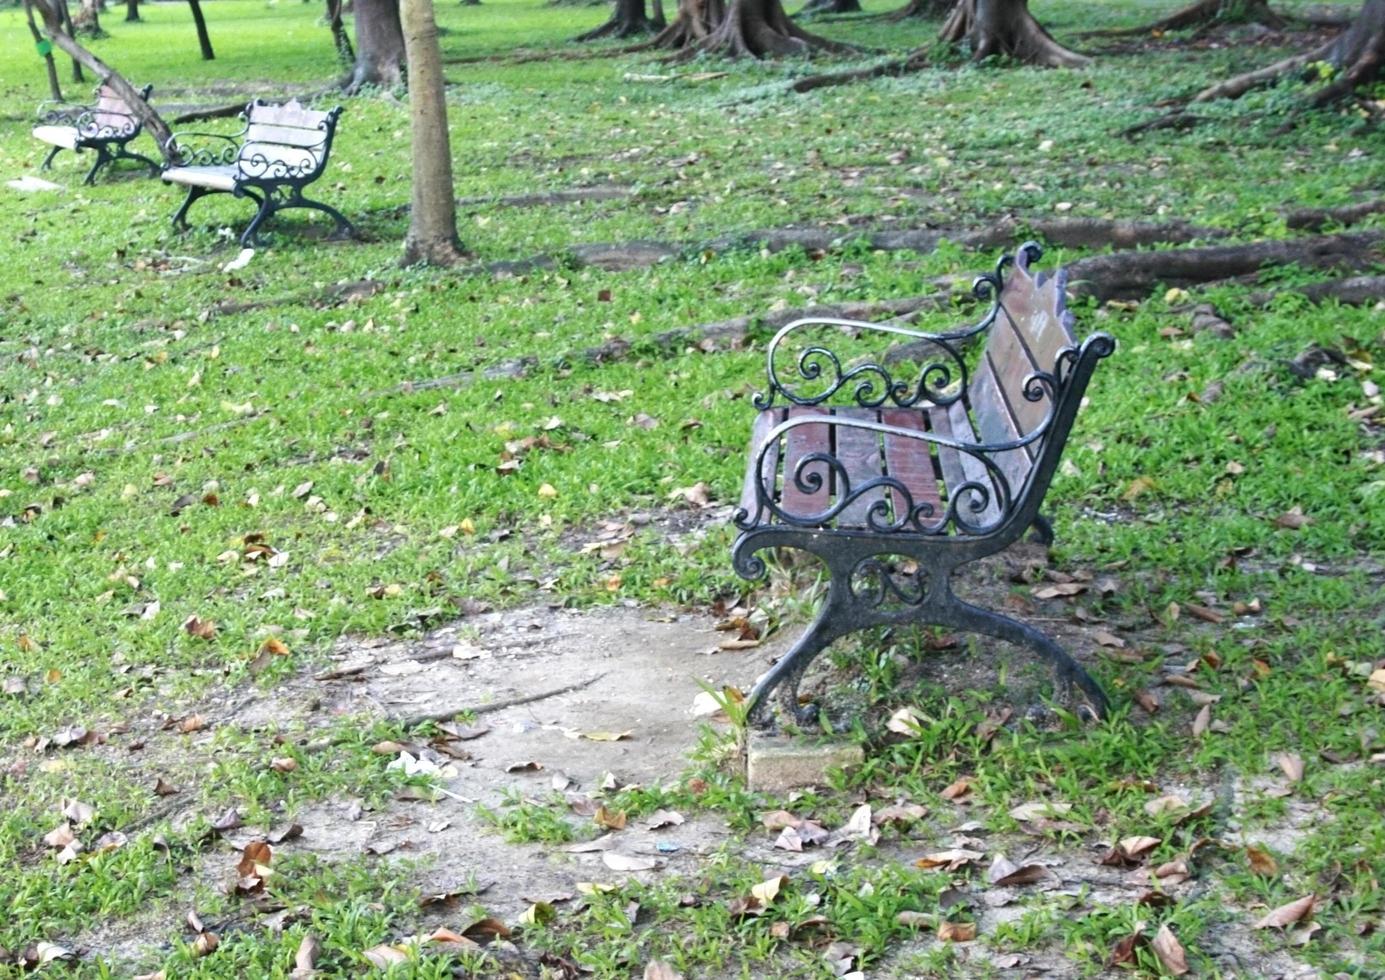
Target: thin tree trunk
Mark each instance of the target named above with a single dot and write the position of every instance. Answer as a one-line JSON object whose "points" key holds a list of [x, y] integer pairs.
{"points": [[153, 122], [432, 237], [131, 10], [379, 46], [48, 63], [1006, 27], [203, 40], [339, 36], [77, 75], [88, 20]]}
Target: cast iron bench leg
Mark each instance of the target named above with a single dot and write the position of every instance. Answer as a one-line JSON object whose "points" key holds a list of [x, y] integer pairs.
{"points": [[180, 218], [48, 160], [102, 158]]}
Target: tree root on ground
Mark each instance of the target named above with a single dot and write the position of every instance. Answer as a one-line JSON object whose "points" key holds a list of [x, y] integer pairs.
{"points": [[1200, 13], [1007, 29]]}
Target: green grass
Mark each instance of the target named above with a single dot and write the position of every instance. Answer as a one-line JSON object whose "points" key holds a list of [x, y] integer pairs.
{"points": [[124, 389]]}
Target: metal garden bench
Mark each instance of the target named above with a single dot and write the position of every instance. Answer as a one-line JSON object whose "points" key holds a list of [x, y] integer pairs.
{"points": [[895, 480], [108, 127], [282, 150]]}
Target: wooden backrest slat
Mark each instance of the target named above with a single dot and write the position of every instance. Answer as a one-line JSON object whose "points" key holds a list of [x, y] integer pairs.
{"points": [[912, 463], [995, 424], [289, 114], [802, 441], [959, 468], [259, 132], [858, 450], [769, 466]]}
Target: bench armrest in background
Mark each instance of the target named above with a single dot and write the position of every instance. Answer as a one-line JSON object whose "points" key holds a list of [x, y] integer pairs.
{"points": [[192, 149]]}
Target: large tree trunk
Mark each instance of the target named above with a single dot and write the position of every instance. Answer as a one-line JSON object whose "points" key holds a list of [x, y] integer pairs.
{"points": [[131, 10], [738, 29], [88, 20], [627, 20], [432, 237], [1357, 54], [49, 65], [1006, 27], [339, 37], [203, 40], [379, 45], [153, 122]]}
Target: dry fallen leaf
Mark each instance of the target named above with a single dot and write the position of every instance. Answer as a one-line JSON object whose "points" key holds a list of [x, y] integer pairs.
{"points": [[628, 862], [949, 860], [384, 956], [1170, 951], [659, 970], [1261, 862], [1292, 765], [1288, 914], [1041, 808], [610, 819], [956, 932]]}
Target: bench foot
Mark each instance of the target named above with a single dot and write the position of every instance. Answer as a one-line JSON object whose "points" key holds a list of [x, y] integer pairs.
{"points": [[48, 160], [785, 676], [180, 217], [102, 158]]}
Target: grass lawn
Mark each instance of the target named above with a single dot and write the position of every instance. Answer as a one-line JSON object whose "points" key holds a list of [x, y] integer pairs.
{"points": [[177, 441]]}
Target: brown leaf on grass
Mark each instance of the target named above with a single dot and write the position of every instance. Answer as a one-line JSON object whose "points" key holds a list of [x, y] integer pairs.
{"points": [[1293, 519], [958, 788], [663, 818], [1124, 949], [768, 890], [610, 819], [205, 943], [162, 788], [190, 724], [486, 929], [1170, 951], [1005, 873], [1129, 851], [788, 840], [1292, 765], [385, 956], [949, 860], [1207, 615], [524, 767], [229, 820], [1261, 862], [606, 736], [305, 960], [60, 836], [1203, 719], [1061, 589], [1107, 639], [1147, 700], [1040, 808], [283, 764], [1288, 914], [659, 970], [900, 813], [203, 629], [956, 932]]}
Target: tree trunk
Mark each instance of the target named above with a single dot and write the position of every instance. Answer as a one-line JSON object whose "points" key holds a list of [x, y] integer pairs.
{"points": [[203, 40], [49, 65], [432, 237], [339, 37], [1357, 54], [131, 10], [738, 29], [66, 24], [1007, 28], [627, 20], [153, 122], [379, 46], [657, 16], [88, 20]]}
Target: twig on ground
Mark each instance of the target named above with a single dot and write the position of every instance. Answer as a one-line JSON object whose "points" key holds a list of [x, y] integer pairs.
{"points": [[489, 707]]}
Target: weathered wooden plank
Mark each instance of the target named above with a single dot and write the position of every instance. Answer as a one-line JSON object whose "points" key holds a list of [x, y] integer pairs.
{"points": [[959, 467], [259, 132], [995, 424], [769, 467], [291, 113], [802, 441], [911, 462], [859, 452]]}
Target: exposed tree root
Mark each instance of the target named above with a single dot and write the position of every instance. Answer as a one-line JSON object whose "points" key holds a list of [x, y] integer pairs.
{"points": [[1353, 291], [915, 62], [1315, 219], [814, 8], [1133, 275], [926, 9], [1008, 29], [1203, 12]]}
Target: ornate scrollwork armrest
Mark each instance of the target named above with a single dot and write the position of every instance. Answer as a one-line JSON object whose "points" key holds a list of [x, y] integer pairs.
{"points": [[220, 152], [88, 125], [55, 112], [975, 506]]}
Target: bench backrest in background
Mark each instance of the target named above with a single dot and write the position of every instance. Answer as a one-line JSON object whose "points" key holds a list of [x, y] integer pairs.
{"points": [[285, 141]]}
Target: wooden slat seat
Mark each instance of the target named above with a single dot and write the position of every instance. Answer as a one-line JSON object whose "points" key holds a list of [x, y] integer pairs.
{"points": [[859, 464]]}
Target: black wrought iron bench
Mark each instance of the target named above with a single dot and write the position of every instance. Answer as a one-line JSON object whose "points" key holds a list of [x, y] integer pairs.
{"points": [[895, 475], [107, 126], [282, 150]]}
